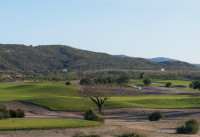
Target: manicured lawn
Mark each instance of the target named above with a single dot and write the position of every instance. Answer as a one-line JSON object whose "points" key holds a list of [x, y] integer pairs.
{"points": [[80, 104], [24, 91], [63, 103], [57, 96], [45, 123]]}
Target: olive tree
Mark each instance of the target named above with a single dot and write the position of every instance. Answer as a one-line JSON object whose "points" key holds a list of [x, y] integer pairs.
{"points": [[98, 93], [147, 81], [195, 84]]}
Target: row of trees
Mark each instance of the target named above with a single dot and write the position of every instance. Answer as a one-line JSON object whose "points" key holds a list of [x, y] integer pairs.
{"points": [[142, 75], [10, 77], [121, 80]]}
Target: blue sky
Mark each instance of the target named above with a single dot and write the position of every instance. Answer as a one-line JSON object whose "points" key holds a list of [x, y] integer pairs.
{"points": [[139, 28]]}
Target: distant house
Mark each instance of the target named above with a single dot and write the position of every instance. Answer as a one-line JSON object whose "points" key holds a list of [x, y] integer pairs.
{"points": [[19, 76], [162, 69], [65, 70]]}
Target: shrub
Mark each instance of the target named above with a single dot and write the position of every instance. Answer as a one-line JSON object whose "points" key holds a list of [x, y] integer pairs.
{"points": [[91, 115], [190, 127], [195, 85], [168, 84], [16, 113], [147, 81], [122, 80], [132, 134], [20, 113], [191, 85], [156, 116], [12, 113], [4, 114], [68, 83], [81, 134]]}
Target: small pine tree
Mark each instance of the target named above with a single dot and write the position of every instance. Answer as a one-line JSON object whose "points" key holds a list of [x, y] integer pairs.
{"points": [[168, 84], [147, 81]]}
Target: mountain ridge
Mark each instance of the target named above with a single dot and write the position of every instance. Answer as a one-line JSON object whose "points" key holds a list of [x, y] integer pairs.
{"points": [[45, 58]]}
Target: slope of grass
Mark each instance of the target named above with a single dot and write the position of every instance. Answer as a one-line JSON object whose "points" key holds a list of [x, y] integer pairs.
{"points": [[22, 91], [63, 103], [44, 123]]}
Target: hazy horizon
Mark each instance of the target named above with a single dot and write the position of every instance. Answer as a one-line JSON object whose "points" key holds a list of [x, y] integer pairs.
{"points": [[143, 28]]}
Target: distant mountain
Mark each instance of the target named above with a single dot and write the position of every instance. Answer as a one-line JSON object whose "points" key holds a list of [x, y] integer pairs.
{"points": [[161, 59], [48, 58], [121, 55], [197, 65]]}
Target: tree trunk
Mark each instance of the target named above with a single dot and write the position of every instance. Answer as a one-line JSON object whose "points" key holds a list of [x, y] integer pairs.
{"points": [[100, 106]]}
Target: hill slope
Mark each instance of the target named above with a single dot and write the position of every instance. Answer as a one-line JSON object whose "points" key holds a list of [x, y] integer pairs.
{"points": [[56, 57]]}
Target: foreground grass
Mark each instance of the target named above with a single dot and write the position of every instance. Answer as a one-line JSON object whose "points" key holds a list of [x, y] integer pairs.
{"points": [[44, 123]]}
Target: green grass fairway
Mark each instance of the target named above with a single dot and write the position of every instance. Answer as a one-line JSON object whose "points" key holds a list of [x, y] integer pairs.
{"points": [[181, 84], [57, 96], [45, 123], [145, 101], [24, 91]]}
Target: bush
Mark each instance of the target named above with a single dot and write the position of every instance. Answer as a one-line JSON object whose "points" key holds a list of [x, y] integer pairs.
{"points": [[16, 113], [68, 83], [195, 85], [190, 127], [191, 85], [4, 114], [147, 81], [132, 134], [156, 116], [12, 113], [20, 113], [168, 84], [81, 134], [91, 115]]}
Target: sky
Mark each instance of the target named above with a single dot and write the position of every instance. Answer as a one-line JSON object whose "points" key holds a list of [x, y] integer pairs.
{"points": [[137, 28]]}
